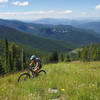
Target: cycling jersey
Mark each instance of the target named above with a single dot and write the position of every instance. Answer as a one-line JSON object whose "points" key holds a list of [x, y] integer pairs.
{"points": [[37, 61]]}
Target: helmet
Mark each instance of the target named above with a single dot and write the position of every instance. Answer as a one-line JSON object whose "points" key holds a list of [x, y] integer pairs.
{"points": [[32, 57]]}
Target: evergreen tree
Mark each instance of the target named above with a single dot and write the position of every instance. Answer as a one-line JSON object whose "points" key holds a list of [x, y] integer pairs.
{"points": [[85, 54], [6, 54], [46, 59], [14, 56], [67, 58], [22, 59], [2, 72], [79, 55], [90, 55], [96, 54], [54, 56], [10, 62], [60, 57]]}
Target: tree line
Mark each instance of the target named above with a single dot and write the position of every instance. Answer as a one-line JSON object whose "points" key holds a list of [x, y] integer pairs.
{"points": [[89, 53], [14, 58], [86, 53]]}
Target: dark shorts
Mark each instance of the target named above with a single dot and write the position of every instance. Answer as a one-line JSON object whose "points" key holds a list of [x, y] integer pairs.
{"points": [[40, 66]]}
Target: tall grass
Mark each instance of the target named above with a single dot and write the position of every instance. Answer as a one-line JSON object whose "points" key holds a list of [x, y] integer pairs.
{"points": [[71, 81]]}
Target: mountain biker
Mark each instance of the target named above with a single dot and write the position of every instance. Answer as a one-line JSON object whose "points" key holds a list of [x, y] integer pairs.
{"points": [[36, 63]]}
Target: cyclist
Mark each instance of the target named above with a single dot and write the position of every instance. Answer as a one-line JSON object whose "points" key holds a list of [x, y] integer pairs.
{"points": [[36, 63]]}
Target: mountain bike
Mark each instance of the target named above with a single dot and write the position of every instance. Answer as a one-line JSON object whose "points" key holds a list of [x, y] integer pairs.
{"points": [[30, 74]]}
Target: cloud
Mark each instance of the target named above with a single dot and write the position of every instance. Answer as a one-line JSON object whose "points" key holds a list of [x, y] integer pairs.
{"points": [[18, 3], [98, 7], [37, 12], [3, 1], [67, 11]]}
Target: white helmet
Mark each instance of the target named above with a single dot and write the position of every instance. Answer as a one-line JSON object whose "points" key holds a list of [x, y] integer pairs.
{"points": [[32, 57]]}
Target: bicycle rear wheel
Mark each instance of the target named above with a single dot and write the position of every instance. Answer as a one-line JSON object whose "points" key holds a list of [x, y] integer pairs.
{"points": [[24, 77]]}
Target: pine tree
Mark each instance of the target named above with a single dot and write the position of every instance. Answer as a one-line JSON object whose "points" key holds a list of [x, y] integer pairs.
{"points": [[10, 62], [85, 54], [60, 57], [90, 56], [54, 56], [22, 59], [67, 58], [2, 72], [79, 55], [6, 54], [13, 56]]}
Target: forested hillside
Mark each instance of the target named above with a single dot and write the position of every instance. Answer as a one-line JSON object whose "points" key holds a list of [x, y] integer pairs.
{"points": [[14, 57], [66, 33], [86, 53], [43, 44], [95, 25]]}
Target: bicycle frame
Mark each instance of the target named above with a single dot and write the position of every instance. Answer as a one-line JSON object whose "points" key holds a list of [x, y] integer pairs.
{"points": [[30, 69]]}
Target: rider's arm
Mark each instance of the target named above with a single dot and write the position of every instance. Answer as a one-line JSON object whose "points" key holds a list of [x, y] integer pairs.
{"points": [[37, 64], [31, 63], [36, 67]]}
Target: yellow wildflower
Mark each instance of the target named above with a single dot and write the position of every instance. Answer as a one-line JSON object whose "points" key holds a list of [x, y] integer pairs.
{"points": [[62, 90]]}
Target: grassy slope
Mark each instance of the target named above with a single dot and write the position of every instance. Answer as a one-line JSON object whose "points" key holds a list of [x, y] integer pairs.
{"points": [[80, 81]]}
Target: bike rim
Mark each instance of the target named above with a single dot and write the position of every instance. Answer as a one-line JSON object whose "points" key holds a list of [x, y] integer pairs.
{"points": [[42, 73], [24, 77]]}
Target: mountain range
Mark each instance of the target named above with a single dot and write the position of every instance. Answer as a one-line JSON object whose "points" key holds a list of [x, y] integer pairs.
{"points": [[42, 44], [95, 26], [53, 21], [85, 24], [66, 33]]}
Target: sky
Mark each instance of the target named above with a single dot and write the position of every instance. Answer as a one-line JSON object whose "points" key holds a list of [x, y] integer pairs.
{"points": [[37, 9]]}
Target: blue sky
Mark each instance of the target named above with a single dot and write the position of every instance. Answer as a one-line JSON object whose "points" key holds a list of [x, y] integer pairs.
{"points": [[36, 9]]}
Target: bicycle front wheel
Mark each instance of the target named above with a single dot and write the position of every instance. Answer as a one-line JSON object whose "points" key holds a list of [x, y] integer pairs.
{"points": [[42, 72], [24, 77]]}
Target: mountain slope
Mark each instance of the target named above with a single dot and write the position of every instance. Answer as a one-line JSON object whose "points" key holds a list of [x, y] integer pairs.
{"points": [[69, 34], [66, 33], [34, 41], [91, 25], [64, 21], [86, 53]]}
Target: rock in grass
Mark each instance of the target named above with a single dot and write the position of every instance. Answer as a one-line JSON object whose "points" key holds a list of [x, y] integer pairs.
{"points": [[52, 90]]}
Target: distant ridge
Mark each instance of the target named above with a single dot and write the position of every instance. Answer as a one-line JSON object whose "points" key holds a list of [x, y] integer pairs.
{"points": [[91, 25], [65, 33], [34, 41]]}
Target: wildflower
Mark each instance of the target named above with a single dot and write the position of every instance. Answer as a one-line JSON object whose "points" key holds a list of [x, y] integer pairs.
{"points": [[62, 90], [93, 85], [81, 85]]}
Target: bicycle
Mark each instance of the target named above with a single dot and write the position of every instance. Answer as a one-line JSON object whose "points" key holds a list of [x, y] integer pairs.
{"points": [[27, 75]]}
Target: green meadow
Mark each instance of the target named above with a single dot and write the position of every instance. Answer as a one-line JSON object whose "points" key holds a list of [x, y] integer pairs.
{"points": [[64, 81]]}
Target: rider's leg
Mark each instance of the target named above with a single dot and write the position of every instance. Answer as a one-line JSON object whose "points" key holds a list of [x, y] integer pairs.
{"points": [[36, 71]]}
